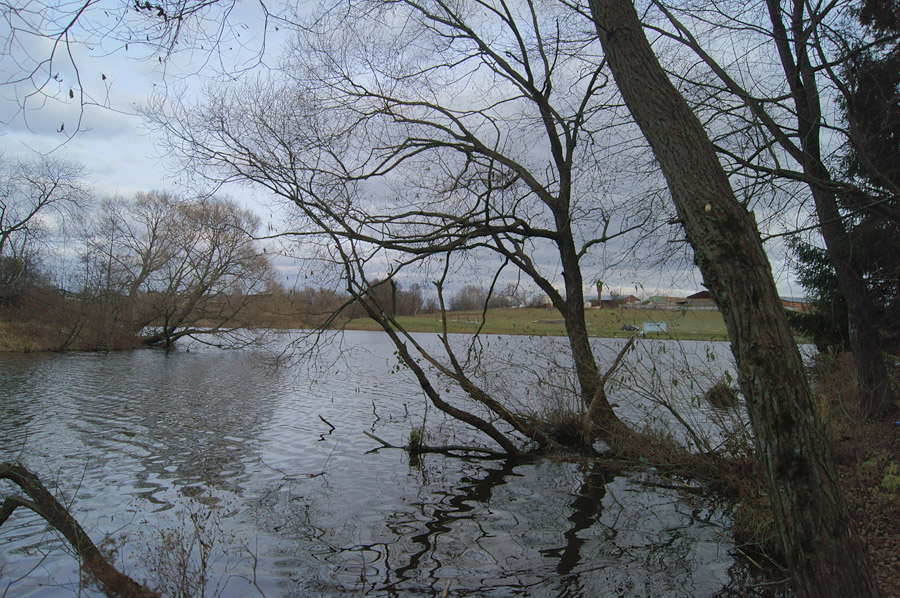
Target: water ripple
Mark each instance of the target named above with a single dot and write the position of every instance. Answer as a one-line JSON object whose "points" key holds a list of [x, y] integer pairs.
{"points": [[275, 459]]}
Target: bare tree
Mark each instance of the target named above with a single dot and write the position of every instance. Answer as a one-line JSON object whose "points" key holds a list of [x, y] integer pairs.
{"points": [[32, 196], [779, 127], [438, 139], [45, 48], [468, 298], [825, 556], [177, 268], [396, 299]]}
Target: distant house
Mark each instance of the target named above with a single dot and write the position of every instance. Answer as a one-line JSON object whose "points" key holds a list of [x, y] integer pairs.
{"points": [[602, 302], [701, 299], [796, 304], [606, 302], [665, 301]]}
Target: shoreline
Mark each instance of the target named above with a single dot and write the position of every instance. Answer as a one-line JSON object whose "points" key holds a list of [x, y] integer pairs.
{"points": [[680, 325]]}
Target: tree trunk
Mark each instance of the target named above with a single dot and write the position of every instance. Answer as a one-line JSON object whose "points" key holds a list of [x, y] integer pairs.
{"points": [[865, 338], [112, 582], [875, 397], [594, 399], [825, 556]]}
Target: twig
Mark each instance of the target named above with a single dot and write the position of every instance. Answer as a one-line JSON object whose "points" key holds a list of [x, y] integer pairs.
{"points": [[676, 486], [377, 439], [743, 553]]}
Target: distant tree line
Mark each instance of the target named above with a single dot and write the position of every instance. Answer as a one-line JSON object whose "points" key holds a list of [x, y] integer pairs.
{"points": [[395, 299], [149, 270], [473, 298], [144, 271]]}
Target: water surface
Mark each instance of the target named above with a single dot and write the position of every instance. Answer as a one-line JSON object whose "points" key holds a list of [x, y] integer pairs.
{"points": [[273, 468]]}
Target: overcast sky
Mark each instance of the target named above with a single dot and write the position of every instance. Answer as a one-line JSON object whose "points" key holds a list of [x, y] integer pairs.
{"points": [[115, 77], [120, 154]]}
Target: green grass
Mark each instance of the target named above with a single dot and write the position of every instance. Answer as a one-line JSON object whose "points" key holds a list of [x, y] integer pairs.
{"points": [[607, 323]]}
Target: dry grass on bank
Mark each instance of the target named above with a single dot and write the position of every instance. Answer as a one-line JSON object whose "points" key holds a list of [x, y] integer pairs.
{"points": [[25, 337], [866, 454]]}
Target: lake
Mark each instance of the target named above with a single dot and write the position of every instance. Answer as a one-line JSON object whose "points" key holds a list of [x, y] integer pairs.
{"points": [[270, 468]]}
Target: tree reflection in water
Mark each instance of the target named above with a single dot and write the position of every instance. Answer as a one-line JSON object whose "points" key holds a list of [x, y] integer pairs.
{"points": [[504, 529], [454, 508], [280, 456], [586, 507]]}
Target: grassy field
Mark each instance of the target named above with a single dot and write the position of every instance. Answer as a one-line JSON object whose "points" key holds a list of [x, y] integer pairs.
{"points": [[686, 325]]}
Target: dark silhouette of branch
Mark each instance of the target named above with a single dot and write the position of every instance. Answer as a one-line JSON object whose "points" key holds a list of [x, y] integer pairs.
{"points": [[114, 583]]}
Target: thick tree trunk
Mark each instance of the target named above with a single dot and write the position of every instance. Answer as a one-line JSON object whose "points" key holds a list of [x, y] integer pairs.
{"points": [[875, 397], [824, 553]]}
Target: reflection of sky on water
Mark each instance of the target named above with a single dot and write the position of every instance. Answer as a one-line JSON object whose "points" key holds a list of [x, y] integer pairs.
{"points": [[506, 530], [279, 457]]}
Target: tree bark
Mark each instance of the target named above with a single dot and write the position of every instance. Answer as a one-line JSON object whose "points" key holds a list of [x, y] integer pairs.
{"points": [[825, 556], [875, 397], [593, 396]]}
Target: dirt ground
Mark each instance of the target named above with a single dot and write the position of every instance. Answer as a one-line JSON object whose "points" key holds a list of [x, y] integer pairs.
{"points": [[868, 465]]}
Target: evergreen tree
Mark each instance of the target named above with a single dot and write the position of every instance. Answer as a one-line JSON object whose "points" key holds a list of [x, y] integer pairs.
{"points": [[872, 108], [828, 322]]}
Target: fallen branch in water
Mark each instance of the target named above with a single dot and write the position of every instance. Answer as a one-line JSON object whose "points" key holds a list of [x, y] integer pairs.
{"points": [[383, 442], [327, 423], [447, 449], [112, 582], [675, 486]]}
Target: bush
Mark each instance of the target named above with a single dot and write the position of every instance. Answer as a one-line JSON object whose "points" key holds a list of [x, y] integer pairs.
{"points": [[722, 395], [833, 378]]}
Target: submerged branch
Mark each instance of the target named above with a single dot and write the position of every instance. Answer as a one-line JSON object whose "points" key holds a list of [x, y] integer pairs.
{"points": [[112, 582], [446, 449]]}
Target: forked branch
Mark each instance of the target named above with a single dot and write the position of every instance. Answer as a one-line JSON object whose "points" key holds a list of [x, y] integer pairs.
{"points": [[599, 397]]}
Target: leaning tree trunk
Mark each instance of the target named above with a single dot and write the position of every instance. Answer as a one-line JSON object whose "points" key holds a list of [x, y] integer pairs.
{"points": [[111, 581], [825, 556]]}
